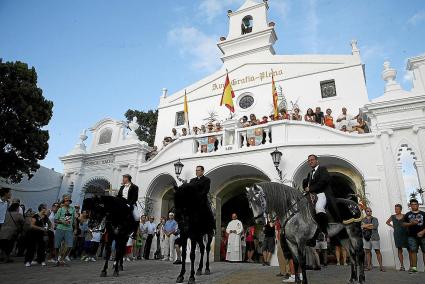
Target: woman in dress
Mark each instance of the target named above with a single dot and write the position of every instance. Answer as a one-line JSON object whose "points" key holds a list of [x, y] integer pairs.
{"points": [[329, 120], [310, 116], [400, 232]]}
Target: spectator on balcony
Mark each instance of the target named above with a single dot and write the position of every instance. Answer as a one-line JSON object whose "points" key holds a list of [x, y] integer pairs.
{"points": [[319, 117], [195, 130], [296, 114], [253, 120], [345, 119], [361, 126], [151, 154], [175, 135], [166, 141], [218, 127], [210, 127], [244, 121], [184, 131], [329, 120], [264, 120], [284, 114], [203, 129], [310, 116]]}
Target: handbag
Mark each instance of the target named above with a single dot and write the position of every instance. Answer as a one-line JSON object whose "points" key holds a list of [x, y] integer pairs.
{"points": [[21, 228]]}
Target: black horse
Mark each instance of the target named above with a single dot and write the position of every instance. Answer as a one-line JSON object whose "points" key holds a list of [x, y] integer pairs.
{"points": [[116, 217], [195, 220]]}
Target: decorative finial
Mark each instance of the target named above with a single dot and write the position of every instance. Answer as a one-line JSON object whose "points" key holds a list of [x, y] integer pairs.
{"points": [[354, 47], [133, 125], [388, 74], [164, 92]]}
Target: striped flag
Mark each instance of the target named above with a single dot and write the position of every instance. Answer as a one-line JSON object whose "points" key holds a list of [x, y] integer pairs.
{"points": [[274, 94], [228, 95], [186, 112]]}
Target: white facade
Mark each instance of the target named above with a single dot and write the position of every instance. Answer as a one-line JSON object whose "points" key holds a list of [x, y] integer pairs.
{"points": [[364, 163]]}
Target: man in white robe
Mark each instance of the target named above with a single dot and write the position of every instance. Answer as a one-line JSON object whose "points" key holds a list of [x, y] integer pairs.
{"points": [[234, 231]]}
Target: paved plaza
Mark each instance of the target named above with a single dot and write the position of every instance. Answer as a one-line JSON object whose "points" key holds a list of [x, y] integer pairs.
{"points": [[165, 272]]}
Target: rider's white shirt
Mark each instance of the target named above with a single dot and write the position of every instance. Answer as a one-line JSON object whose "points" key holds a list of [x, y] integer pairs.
{"points": [[125, 190]]}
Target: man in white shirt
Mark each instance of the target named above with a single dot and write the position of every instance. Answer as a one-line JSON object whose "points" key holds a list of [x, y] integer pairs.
{"points": [[346, 120], [234, 248], [5, 196], [150, 228]]}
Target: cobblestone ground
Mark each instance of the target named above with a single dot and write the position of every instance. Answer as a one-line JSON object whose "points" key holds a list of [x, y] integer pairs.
{"points": [[152, 271]]}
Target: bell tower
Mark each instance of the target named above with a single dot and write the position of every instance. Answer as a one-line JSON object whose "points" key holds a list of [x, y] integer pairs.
{"points": [[249, 32]]}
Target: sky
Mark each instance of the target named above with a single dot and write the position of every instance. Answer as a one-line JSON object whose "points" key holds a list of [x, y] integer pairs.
{"points": [[98, 58]]}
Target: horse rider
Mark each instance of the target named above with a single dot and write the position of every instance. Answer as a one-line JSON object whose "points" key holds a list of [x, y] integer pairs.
{"points": [[203, 184], [130, 193], [318, 181]]}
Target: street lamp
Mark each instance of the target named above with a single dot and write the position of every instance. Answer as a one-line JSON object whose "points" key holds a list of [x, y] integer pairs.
{"points": [[178, 167], [276, 157]]}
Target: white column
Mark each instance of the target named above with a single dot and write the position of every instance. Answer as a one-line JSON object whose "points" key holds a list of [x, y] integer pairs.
{"points": [[420, 131], [391, 176], [399, 167], [419, 166]]}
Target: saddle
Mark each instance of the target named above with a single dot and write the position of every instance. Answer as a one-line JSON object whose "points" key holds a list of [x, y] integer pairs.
{"points": [[349, 210]]}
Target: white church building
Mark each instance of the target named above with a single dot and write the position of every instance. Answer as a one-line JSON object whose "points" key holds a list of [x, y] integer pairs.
{"points": [[369, 164]]}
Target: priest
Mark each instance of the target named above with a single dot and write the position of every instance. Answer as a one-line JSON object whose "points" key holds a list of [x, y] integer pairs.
{"points": [[234, 230]]}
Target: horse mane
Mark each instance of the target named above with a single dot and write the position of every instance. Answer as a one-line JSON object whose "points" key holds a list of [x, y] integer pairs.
{"points": [[280, 198]]}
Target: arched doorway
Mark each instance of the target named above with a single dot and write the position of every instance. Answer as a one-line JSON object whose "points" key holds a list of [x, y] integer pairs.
{"points": [[346, 179], [97, 187], [228, 183], [160, 191]]}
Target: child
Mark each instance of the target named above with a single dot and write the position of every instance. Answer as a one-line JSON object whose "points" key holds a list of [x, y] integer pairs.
{"points": [[129, 249], [94, 244]]}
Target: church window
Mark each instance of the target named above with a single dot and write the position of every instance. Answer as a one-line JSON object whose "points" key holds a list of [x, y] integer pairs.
{"points": [[407, 158], [105, 136], [328, 88], [246, 101], [179, 118], [246, 25]]}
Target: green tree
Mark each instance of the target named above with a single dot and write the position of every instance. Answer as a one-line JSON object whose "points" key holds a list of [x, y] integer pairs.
{"points": [[147, 121], [23, 113]]}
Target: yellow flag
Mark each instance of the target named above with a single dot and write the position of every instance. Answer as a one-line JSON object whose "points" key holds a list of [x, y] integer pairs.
{"points": [[186, 112], [228, 95], [274, 94]]}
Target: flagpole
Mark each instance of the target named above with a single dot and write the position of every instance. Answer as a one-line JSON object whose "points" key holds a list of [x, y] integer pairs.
{"points": [[186, 108]]}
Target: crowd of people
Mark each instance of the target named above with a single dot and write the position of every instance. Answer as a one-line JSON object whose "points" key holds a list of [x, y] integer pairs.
{"points": [[345, 122], [62, 233]]}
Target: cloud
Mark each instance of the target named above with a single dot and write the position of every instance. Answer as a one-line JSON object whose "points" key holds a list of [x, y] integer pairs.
{"points": [[281, 8], [417, 18], [210, 9], [194, 45], [373, 51], [408, 76], [312, 24]]}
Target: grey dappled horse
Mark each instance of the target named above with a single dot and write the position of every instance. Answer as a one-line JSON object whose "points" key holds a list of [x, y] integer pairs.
{"points": [[296, 215]]}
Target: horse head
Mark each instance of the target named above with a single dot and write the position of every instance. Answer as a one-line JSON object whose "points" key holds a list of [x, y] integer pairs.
{"points": [[257, 203], [96, 211]]}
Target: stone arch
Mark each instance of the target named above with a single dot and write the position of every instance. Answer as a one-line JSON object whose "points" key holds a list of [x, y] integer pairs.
{"points": [[160, 191], [406, 167], [347, 178], [228, 182], [96, 186]]}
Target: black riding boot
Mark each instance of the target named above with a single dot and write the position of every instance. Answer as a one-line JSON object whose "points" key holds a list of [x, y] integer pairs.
{"points": [[322, 220]]}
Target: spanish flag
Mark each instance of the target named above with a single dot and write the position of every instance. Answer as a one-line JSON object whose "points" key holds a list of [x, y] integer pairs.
{"points": [[186, 112], [274, 94], [228, 95]]}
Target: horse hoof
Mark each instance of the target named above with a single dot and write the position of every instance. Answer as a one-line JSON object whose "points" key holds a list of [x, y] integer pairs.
{"points": [[103, 274], [116, 274], [180, 279], [199, 272], [207, 272], [191, 280]]}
